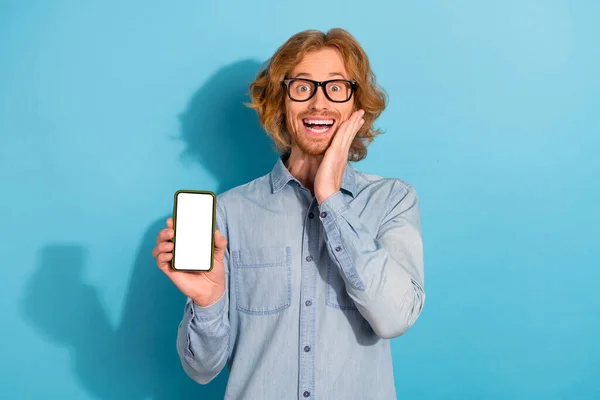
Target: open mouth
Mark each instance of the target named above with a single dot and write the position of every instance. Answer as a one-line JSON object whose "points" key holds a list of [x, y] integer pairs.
{"points": [[318, 125]]}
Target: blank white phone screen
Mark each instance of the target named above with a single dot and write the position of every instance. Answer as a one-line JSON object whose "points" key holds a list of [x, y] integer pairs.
{"points": [[193, 231]]}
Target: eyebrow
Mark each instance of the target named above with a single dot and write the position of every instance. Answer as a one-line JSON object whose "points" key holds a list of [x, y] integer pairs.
{"points": [[309, 75]]}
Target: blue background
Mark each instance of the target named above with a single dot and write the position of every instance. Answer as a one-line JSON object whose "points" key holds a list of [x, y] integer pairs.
{"points": [[107, 108]]}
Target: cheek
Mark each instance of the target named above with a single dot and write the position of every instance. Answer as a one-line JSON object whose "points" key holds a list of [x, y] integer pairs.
{"points": [[291, 114], [347, 109]]}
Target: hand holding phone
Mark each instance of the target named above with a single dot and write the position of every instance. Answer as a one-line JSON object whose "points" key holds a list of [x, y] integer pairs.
{"points": [[194, 214], [190, 251]]}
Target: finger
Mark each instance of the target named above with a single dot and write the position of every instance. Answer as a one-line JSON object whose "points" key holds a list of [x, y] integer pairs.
{"points": [[164, 257], [355, 119], [156, 251], [340, 134], [347, 130], [359, 119], [220, 241], [220, 245], [357, 115], [353, 128], [169, 226], [165, 235], [165, 247], [166, 268]]}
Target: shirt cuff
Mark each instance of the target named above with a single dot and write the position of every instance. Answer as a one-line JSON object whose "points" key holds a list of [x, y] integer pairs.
{"points": [[331, 213], [208, 313], [332, 207]]}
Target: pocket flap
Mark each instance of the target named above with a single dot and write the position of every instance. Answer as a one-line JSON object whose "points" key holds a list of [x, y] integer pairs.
{"points": [[263, 257]]}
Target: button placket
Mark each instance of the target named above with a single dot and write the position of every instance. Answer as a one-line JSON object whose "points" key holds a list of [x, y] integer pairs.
{"points": [[309, 278]]}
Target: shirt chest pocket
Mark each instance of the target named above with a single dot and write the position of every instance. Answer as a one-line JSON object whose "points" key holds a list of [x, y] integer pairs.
{"points": [[262, 279]]}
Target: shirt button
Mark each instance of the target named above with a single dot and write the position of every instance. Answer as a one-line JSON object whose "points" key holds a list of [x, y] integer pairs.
{"points": [[306, 393], [323, 214], [338, 248], [309, 258], [308, 303], [311, 215], [307, 348]]}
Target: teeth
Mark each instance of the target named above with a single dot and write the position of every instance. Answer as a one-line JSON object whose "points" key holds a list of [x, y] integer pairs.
{"points": [[319, 121], [319, 130]]}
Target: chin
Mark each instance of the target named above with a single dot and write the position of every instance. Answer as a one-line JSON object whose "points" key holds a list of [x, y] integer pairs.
{"points": [[313, 145]]}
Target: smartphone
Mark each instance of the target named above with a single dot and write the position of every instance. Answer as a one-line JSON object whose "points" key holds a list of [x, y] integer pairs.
{"points": [[194, 219]]}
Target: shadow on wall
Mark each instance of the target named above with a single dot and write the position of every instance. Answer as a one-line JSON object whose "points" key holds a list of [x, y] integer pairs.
{"points": [[138, 360]]}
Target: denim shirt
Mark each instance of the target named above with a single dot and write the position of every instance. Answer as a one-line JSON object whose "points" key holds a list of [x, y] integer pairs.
{"points": [[313, 293]]}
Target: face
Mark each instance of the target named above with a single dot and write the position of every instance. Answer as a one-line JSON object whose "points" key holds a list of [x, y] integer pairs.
{"points": [[313, 123]]}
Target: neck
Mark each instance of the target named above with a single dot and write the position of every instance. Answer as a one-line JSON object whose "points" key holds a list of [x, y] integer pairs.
{"points": [[303, 167]]}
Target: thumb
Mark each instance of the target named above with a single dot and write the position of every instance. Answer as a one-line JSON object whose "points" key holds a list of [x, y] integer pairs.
{"points": [[220, 245]]}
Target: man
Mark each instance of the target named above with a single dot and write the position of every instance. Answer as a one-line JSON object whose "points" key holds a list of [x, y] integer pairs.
{"points": [[317, 265]]}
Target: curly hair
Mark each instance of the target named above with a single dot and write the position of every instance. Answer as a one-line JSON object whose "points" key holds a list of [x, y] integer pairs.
{"points": [[268, 96]]}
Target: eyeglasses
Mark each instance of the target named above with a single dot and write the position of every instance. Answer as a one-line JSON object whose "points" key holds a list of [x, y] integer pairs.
{"points": [[336, 90]]}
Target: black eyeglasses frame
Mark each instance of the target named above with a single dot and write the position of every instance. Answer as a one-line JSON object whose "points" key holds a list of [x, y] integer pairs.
{"points": [[286, 83]]}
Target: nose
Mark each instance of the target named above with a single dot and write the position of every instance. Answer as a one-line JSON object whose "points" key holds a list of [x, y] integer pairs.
{"points": [[319, 101]]}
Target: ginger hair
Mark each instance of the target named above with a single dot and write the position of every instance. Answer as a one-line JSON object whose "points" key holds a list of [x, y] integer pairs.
{"points": [[267, 93]]}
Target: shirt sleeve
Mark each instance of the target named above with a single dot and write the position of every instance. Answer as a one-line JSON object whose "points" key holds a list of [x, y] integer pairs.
{"points": [[203, 334], [383, 270]]}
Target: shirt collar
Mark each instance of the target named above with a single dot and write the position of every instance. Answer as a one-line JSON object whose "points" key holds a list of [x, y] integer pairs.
{"points": [[280, 176]]}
